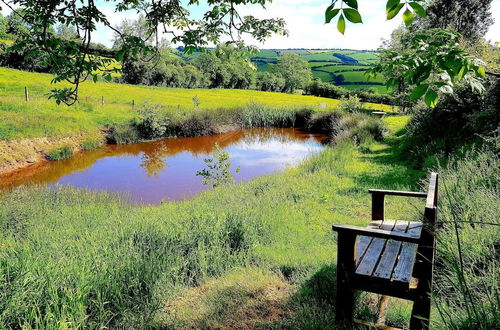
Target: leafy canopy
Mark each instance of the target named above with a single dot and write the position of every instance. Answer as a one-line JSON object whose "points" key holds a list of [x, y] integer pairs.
{"points": [[431, 63], [348, 10]]}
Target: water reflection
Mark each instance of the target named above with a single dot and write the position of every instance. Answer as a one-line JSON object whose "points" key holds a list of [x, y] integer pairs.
{"points": [[166, 169], [153, 162]]}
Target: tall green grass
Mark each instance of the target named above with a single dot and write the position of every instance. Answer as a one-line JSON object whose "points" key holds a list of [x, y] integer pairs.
{"points": [[467, 274]]}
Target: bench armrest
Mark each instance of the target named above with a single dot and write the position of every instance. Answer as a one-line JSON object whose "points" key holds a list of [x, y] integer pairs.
{"points": [[378, 196], [398, 193], [378, 233]]}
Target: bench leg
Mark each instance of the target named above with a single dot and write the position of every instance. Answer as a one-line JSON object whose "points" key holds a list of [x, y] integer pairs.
{"points": [[420, 314], [382, 310], [345, 267], [345, 300]]}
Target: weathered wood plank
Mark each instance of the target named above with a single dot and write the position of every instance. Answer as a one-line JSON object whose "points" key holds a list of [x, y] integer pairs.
{"points": [[390, 254], [432, 194], [372, 255], [379, 233], [345, 267], [398, 193], [404, 267], [363, 242], [415, 229]]}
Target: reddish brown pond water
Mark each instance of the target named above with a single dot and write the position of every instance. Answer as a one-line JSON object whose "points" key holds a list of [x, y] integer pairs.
{"points": [[166, 169]]}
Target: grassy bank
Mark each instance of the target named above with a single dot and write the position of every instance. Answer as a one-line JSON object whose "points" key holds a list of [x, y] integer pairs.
{"points": [[82, 259]]}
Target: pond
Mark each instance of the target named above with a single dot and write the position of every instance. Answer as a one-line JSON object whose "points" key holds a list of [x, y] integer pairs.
{"points": [[166, 169]]}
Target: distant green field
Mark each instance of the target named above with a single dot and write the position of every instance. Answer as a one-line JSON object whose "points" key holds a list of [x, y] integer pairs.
{"points": [[325, 76], [326, 56], [325, 63], [359, 76], [268, 53], [318, 64]]}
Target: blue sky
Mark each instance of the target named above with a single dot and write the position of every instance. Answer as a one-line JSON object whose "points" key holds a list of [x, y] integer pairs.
{"points": [[305, 22]]}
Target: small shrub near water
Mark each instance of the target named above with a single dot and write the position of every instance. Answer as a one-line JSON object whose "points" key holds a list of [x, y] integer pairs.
{"points": [[91, 144], [153, 121], [123, 134], [60, 153], [351, 104], [358, 128], [218, 171], [197, 125], [260, 115]]}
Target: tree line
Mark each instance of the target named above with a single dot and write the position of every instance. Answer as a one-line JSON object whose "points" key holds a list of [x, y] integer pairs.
{"points": [[223, 67]]}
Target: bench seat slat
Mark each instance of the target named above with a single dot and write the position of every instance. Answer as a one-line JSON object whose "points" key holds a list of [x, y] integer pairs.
{"points": [[372, 254], [404, 267], [364, 241], [390, 254]]}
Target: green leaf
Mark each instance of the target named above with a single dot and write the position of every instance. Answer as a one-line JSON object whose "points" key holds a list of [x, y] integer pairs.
{"points": [[480, 71], [330, 14], [462, 72], [431, 98], [352, 15], [108, 77], [391, 4], [419, 91], [393, 12], [408, 17], [352, 3], [391, 83], [418, 9], [341, 24], [94, 78]]}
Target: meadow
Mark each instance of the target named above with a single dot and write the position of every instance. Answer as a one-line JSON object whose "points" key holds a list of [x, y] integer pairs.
{"points": [[42, 117], [39, 128]]}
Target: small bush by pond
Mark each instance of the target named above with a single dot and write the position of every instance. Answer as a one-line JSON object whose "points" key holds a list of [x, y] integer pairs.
{"points": [[123, 134], [91, 144], [60, 153]]}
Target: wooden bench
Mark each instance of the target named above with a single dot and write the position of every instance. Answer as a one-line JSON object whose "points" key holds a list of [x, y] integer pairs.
{"points": [[391, 258]]}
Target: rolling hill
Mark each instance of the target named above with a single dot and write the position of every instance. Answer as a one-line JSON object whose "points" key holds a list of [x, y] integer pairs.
{"points": [[338, 66]]}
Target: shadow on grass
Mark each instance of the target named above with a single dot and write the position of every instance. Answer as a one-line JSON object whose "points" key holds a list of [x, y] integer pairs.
{"points": [[396, 173]]}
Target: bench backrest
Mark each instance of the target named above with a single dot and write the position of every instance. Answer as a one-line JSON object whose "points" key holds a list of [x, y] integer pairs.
{"points": [[426, 247], [431, 203]]}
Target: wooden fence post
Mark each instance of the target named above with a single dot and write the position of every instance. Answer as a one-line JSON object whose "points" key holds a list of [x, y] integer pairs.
{"points": [[26, 95], [102, 100], [133, 103]]}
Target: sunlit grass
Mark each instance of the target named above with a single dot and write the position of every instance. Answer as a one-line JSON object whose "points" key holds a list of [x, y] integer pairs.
{"points": [[42, 117]]}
